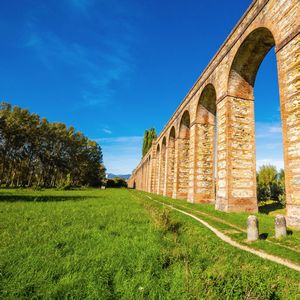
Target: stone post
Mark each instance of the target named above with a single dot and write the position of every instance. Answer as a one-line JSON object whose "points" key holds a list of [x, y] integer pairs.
{"points": [[252, 229], [280, 226]]}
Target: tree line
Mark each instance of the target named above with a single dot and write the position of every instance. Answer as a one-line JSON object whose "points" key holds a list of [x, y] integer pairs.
{"points": [[36, 152]]}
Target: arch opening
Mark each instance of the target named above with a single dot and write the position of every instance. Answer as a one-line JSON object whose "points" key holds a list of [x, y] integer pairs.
{"points": [[247, 62]]}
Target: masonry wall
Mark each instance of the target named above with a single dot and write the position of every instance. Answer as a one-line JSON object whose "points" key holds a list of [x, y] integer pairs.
{"points": [[188, 163]]}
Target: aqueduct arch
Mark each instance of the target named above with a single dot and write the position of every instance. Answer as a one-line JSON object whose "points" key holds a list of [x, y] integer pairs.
{"points": [[240, 154], [229, 79]]}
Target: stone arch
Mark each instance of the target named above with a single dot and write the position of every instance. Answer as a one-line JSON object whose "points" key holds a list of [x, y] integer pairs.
{"points": [[204, 175], [247, 61], [183, 165], [236, 186], [184, 125]]}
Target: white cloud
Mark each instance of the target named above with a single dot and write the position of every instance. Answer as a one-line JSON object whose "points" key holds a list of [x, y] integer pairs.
{"points": [[267, 130], [275, 129], [120, 139], [105, 130]]}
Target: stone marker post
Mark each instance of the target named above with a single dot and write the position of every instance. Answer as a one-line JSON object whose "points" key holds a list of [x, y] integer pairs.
{"points": [[252, 228], [280, 226]]}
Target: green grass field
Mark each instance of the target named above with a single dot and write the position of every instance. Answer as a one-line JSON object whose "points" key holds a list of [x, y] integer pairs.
{"points": [[119, 244]]}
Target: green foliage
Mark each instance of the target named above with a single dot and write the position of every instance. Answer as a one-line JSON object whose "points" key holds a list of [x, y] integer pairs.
{"points": [[149, 137], [270, 184], [35, 152], [145, 143], [116, 183], [118, 244], [65, 183]]}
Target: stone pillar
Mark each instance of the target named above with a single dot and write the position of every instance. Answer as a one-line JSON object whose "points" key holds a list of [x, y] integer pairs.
{"points": [[146, 176], [236, 166], [280, 227], [204, 183], [150, 183], [176, 171], [252, 229], [142, 176], [162, 170], [154, 175], [157, 170], [288, 59], [164, 189], [183, 168], [170, 164], [191, 163]]}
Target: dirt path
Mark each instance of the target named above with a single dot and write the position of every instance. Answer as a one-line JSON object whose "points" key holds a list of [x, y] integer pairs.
{"points": [[233, 243], [240, 229]]}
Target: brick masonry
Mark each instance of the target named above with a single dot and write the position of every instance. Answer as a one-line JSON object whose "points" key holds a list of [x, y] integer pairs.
{"points": [[182, 159]]}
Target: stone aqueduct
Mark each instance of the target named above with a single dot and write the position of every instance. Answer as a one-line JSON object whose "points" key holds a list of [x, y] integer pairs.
{"points": [[181, 161]]}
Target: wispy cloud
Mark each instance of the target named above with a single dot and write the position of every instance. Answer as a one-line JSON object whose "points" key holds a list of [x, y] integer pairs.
{"points": [[268, 130], [121, 154], [107, 131], [269, 147], [278, 163], [120, 139]]}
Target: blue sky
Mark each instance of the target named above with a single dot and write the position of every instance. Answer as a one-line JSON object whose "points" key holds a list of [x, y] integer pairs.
{"points": [[114, 68]]}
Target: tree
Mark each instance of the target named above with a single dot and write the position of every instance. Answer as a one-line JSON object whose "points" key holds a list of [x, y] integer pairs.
{"points": [[35, 152], [145, 143], [270, 184], [149, 137]]}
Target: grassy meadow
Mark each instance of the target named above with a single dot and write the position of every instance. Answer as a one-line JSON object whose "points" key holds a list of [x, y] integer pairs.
{"points": [[119, 244]]}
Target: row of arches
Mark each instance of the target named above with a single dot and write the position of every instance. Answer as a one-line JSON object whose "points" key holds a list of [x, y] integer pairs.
{"points": [[173, 158], [208, 152]]}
